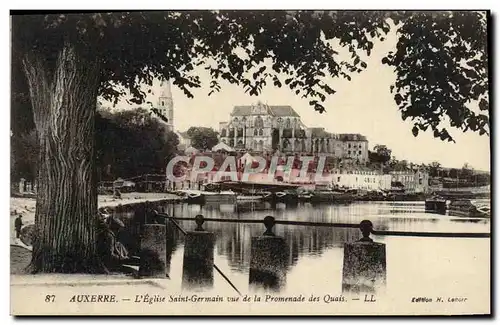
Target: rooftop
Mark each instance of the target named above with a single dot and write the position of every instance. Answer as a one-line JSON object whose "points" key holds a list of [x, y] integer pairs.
{"points": [[320, 133], [351, 137], [279, 110]]}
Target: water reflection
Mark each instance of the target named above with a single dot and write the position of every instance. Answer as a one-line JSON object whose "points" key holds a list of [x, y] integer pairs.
{"points": [[233, 240], [319, 245]]}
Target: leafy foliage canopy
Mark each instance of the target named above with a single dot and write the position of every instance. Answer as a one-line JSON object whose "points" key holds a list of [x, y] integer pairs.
{"points": [[440, 60]]}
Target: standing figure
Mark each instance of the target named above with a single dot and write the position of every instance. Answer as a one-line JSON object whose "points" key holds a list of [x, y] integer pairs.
{"points": [[18, 224]]}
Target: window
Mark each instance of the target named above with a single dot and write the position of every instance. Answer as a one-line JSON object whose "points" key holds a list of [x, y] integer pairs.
{"points": [[349, 145], [338, 179], [162, 103], [360, 152], [349, 152], [287, 123], [254, 131], [261, 132], [259, 123]]}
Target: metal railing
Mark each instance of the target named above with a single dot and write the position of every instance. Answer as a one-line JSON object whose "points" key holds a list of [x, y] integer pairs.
{"points": [[336, 225]]}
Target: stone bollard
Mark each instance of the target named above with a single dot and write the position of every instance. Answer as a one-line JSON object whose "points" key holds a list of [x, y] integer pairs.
{"points": [[153, 252], [198, 264], [364, 269], [268, 261], [171, 243]]}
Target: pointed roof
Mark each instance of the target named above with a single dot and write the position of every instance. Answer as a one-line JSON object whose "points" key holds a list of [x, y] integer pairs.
{"points": [[223, 147], [166, 91]]}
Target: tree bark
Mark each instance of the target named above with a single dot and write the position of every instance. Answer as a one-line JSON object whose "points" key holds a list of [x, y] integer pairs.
{"points": [[64, 97]]}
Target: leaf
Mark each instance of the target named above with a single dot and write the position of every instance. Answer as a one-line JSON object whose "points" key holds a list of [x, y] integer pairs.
{"points": [[398, 98], [483, 104], [415, 131]]}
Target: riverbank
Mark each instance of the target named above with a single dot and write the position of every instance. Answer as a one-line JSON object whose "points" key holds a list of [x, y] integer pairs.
{"points": [[20, 254], [26, 206]]}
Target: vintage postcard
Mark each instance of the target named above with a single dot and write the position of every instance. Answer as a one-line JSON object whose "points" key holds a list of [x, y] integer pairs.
{"points": [[256, 162]]}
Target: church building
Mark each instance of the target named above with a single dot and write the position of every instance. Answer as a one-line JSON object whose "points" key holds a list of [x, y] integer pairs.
{"points": [[268, 128]]}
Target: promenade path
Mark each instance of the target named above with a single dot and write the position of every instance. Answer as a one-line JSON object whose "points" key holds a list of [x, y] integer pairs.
{"points": [[20, 254], [26, 206]]}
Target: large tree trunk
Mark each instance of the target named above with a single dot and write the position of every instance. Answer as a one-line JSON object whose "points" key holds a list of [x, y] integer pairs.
{"points": [[64, 96]]}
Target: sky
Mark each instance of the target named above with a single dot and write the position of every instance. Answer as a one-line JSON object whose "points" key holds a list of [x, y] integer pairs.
{"points": [[363, 105]]}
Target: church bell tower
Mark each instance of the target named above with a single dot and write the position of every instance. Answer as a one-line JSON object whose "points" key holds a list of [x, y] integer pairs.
{"points": [[166, 104]]}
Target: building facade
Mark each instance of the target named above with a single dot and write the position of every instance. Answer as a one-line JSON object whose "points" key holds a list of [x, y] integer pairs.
{"points": [[413, 181], [265, 128], [361, 180], [369, 180], [184, 140]]}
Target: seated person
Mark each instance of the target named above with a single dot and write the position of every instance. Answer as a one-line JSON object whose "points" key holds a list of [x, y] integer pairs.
{"points": [[112, 252]]}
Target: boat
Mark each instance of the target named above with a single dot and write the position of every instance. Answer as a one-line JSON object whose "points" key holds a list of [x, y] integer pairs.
{"points": [[249, 198], [436, 204], [267, 196], [220, 197], [485, 210], [305, 196], [465, 208], [192, 196], [280, 195], [322, 196], [342, 197], [286, 196]]}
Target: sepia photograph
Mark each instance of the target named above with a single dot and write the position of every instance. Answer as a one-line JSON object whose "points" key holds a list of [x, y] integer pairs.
{"points": [[250, 162]]}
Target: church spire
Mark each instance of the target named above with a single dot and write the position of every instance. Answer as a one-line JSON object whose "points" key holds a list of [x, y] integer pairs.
{"points": [[165, 89], [166, 104]]}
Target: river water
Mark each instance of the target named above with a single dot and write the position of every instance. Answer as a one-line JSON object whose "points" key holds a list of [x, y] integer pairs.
{"points": [[416, 267]]}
